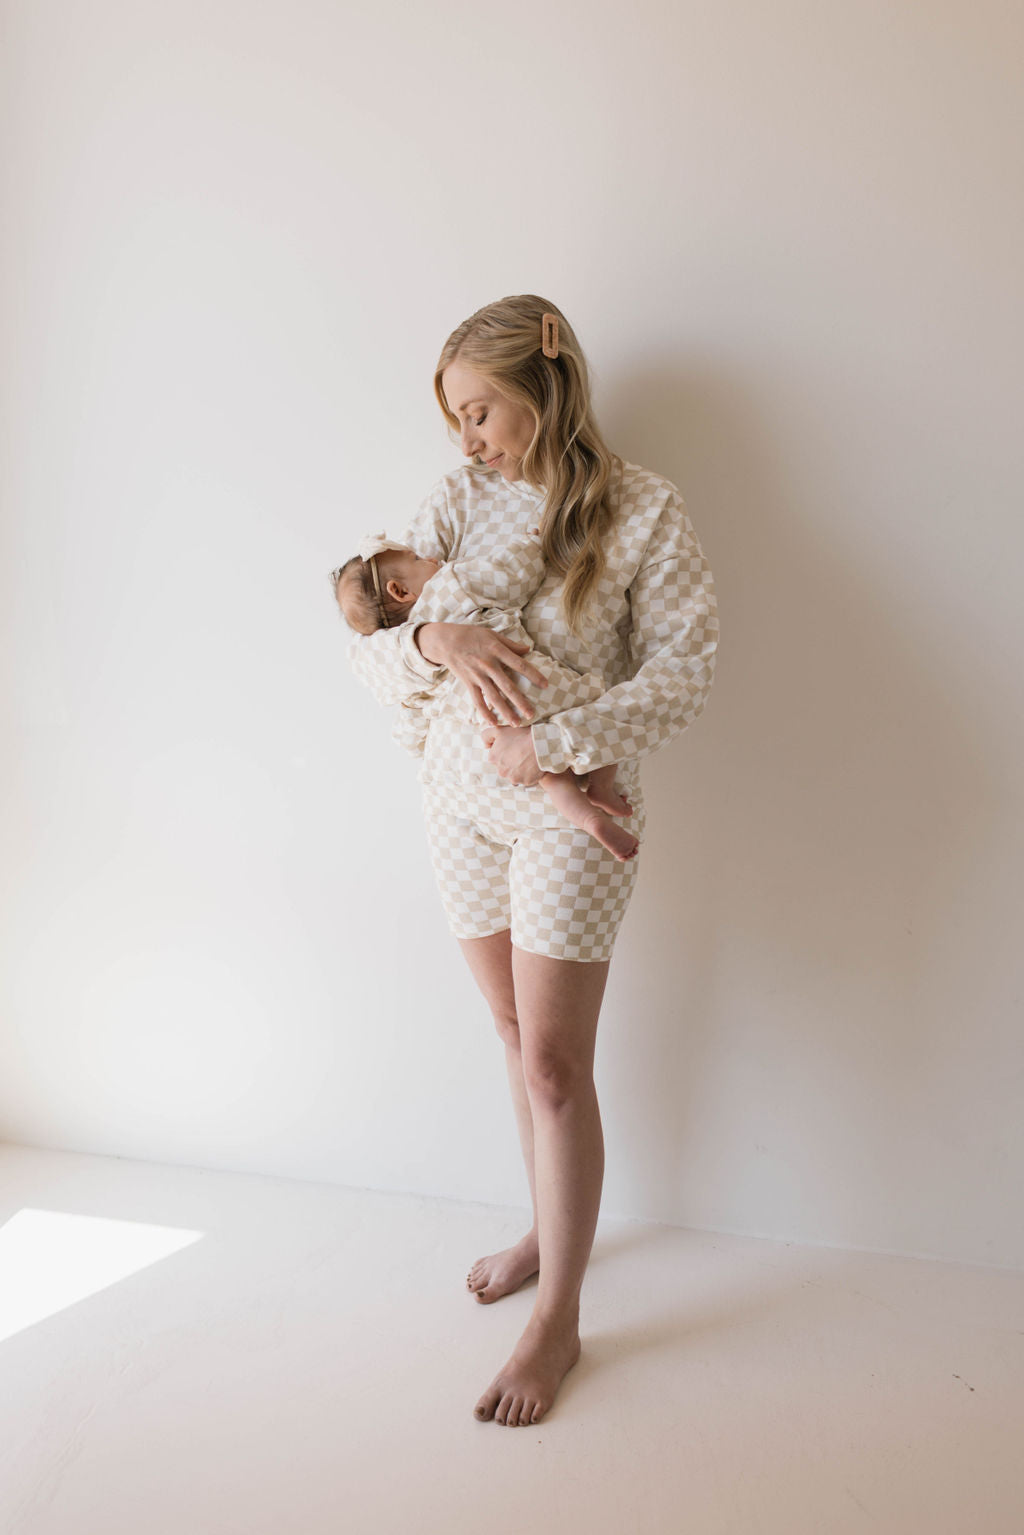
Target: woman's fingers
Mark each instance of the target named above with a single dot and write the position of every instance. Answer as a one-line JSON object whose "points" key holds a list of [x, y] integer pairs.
{"points": [[480, 704], [483, 661], [472, 648], [491, 704], [496, 696], [526, 668], [509, 703]]}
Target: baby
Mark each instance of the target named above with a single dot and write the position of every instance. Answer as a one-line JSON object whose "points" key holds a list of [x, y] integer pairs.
{"points": [[383, 585]]}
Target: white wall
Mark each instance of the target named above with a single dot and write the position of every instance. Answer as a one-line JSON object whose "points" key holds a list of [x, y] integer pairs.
{"points": [[789, 237]]}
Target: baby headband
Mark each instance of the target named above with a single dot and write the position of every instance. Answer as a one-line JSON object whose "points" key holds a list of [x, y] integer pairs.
{"points": [[377, 543], [374, 544], [549, 335]]}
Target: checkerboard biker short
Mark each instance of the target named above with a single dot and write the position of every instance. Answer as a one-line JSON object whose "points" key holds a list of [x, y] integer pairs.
{"points": [[505, 861]]}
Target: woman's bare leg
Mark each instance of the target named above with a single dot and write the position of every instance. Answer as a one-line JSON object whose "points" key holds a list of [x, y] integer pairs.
{"points": [[557, 1004], [490, 960]]}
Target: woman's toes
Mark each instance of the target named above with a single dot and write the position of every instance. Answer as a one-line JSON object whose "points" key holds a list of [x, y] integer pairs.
{"points": [[501, 1415], [484, 1409], [514, 1412], [483, 1297], [537, 1413]]}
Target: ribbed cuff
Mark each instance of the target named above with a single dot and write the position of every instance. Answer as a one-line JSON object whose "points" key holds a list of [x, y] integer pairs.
{"points": [[553, 755]]}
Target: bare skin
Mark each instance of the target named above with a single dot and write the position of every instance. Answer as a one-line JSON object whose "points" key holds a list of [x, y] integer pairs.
{"points": [[589, 809], [484, 662], [546, 1011], [490, 960]]}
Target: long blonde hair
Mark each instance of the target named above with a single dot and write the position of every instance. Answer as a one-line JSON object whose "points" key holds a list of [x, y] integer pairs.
{"points": [[567, 457]]}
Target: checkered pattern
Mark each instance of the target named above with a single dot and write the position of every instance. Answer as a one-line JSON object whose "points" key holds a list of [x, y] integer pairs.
{"points": [[502, 578], [559, 891], [490, 591], [651, 634], [503, 856]]}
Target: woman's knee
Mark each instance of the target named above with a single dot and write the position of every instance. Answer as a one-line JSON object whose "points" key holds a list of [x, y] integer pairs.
{"points": [[507, 1025], [555, 1076]]}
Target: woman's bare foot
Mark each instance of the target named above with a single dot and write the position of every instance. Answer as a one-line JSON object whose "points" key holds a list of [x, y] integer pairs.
{"points": [[503, 1272], [523, 1390]]}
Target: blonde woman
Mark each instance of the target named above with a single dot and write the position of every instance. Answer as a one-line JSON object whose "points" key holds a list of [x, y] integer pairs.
{"points": [[534, 902]]}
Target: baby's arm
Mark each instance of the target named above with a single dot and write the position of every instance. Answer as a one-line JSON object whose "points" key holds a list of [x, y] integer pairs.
{"points": [[507, 578]]}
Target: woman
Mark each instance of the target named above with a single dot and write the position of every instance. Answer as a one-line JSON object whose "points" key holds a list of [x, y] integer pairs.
{"points": [[534, 902]]}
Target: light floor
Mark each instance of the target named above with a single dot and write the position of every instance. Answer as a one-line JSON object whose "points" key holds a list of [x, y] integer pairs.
{"points": [[192, 1353]]}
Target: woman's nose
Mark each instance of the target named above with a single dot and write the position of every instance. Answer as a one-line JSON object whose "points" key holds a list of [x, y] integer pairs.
{"points": [[470, 441]]}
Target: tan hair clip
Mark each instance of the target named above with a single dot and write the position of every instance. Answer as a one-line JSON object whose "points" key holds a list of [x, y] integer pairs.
{"points": [[549, 334]]}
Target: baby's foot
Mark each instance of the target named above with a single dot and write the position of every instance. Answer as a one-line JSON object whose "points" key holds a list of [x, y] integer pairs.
{"points": [[501, 1273], [601, 791], [523, 1390], [611, 835]]}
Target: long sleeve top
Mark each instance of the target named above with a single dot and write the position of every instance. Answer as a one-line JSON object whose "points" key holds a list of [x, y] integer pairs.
{"points": [[651, 632]]}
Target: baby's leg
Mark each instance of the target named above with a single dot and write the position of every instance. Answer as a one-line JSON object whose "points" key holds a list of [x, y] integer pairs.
{"points": [[569, 799], [601, 791]]}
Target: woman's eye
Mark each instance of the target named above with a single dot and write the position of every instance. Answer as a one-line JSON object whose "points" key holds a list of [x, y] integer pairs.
{"points": [[480, 421]]}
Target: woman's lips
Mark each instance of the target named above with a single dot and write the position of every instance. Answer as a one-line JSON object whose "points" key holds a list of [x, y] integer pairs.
{"points": [[492, 461]]}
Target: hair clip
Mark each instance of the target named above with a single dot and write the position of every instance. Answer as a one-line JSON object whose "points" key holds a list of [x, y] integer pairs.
{"points": [[549, 334]]}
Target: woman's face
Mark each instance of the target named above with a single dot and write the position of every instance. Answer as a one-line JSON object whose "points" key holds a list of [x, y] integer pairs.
{"points": [[493, 429]]}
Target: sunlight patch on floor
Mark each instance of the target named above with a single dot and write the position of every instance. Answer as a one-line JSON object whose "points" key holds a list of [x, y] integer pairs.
{"points": [[50, 1259]]}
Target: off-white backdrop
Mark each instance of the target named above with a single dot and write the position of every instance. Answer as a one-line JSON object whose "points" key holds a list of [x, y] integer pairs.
{"points": [[790, 238]]}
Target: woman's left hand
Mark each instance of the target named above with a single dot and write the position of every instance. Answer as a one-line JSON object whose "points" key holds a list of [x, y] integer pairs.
{"points": [[510, 751]]}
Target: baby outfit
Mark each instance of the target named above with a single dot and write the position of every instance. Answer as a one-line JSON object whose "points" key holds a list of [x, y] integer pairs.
{"points": [[503, 856], [490, 590]]}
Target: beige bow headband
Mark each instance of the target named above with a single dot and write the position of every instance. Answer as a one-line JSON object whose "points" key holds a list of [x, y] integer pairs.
{"points": [[377, 543]]}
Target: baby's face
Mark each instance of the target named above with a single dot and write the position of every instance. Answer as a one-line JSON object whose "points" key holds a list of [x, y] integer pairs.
{"points": [[411, 569]]}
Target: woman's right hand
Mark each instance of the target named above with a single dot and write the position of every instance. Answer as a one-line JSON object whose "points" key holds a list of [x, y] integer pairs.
{"points": [[483, 661]]}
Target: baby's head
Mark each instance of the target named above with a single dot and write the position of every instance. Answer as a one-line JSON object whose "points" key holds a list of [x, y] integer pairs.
{"points": [[378, 592]]}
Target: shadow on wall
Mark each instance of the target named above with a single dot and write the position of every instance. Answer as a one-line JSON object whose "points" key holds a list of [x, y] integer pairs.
{"points": [[812, 841]]}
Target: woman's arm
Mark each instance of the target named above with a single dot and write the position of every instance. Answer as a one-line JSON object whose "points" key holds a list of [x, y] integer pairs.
{"points": [[674, 640]]}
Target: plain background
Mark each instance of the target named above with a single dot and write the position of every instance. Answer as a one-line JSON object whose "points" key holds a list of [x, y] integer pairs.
{"points": [[789, 237]]}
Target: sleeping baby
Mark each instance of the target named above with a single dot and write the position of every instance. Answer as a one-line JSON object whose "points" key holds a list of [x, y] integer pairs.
{"points": [[387, 584]]}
